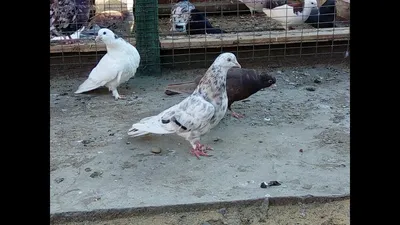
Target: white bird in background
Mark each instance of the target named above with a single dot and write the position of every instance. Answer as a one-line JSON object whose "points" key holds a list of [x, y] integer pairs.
{"points": [[289, 12], [117, 66], [254, 5], [196, 114]]}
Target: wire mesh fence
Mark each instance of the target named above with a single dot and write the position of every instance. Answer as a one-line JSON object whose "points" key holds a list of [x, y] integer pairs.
{"points": [[170, 33]]}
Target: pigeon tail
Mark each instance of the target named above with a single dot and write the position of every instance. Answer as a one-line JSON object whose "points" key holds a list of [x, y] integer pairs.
{"points": [[147, 125], [88, 85], [180, 88]]}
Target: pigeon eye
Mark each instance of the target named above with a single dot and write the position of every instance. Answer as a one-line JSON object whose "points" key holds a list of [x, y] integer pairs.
{"points": [[270, 81], [104, 33], [229, 59]]}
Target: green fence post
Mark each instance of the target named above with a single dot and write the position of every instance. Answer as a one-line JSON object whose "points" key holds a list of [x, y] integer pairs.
{"points": [[147, 38]]}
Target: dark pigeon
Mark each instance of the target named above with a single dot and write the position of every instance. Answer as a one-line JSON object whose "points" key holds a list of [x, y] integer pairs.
{"points": [[199, 24], [241, 84], [325, 15]]}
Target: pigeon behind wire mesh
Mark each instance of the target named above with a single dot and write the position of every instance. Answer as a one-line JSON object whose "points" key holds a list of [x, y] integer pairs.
{"points": [[68, 16], [324, 16], [289, 12], [180, 14], [117, 66], [197, 113], [199, 24], [254, 5], [241, 83]]}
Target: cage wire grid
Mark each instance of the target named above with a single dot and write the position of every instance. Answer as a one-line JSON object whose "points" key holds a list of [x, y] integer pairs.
{"points": [[257, 38]]}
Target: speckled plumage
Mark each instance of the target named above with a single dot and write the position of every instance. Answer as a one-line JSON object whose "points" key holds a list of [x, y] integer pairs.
{"points": [[241, 83], [180, 14], [196, 114]]}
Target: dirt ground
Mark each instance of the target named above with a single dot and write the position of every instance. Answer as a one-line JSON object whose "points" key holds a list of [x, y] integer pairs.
{"points": [[296, 134], [332, 213]]}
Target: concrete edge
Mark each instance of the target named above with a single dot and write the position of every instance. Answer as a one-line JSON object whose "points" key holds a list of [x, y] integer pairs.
{"points": [[109, 214]]}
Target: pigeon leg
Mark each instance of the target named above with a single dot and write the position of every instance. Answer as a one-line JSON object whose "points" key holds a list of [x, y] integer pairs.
{"points": [[116, 95], [252, 14], [200, 150], [237, 115]]}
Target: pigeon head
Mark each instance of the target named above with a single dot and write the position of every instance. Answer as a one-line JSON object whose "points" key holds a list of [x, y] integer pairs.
{"points": [[311, 3], [227, 61], [267, 80], [106, 35]]}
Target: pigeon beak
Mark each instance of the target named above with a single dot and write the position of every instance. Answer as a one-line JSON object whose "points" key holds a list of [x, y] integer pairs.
{"points": [[98, 38], [238, 65], [274, 85]]}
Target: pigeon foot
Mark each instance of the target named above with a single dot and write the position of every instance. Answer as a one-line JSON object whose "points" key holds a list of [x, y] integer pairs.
{"points": [[237, 115], [200, 150]]}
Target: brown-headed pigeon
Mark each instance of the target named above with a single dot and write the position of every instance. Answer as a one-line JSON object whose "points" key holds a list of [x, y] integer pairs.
{"points": [[241, 83]]}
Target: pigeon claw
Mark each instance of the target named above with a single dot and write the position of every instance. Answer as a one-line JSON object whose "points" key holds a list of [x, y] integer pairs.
{"points": [[237, 115], [120, 97], [200, 150]]}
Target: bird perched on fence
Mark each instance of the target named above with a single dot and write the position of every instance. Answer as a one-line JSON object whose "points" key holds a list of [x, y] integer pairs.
{"points": [[289, 12], [117, 66], [254, 5], [241, 83], [197, 113], [323, 17], [68, 16], [199, 24], [180, 14]]}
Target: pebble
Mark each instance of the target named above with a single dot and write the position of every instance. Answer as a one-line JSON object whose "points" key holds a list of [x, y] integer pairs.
{"points": [[310, 88], [156, 150], [85, 142], [88, 169], [317, 81], [59, 180], [217, 139], [222, 211], [96, 174], [205, 223], [307, 186]]}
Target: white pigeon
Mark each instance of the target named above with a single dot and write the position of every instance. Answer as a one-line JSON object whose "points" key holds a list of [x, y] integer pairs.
{"points": [[254, 5], [196, 114], [289, 12], [117, 66]]}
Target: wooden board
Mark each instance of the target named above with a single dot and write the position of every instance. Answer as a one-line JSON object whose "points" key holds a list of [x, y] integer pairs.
{"points": [[225, 40]]}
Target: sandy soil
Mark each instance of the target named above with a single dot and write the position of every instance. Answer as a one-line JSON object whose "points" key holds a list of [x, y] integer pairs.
{"points": [[332, 213]]}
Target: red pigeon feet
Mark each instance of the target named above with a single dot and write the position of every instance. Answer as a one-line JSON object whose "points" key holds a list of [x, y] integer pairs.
{"points": [[200, 150], [237, 115]]}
